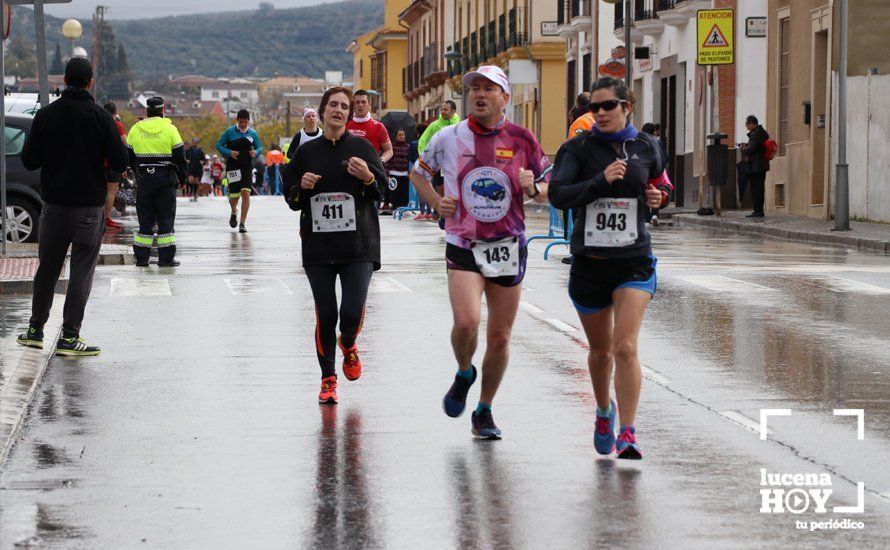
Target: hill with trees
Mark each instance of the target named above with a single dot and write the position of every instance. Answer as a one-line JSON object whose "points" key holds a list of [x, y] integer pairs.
{"points": [[262, 42]]}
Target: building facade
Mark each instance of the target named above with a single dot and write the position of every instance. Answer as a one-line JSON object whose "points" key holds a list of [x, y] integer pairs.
{"points": [[520, 36], [361, 51], [379, 57], [802, 107], [425, 75], [587, 27]]}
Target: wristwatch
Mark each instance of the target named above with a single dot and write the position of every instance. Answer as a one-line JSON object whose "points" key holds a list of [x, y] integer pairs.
{"points": [[537, 191]]}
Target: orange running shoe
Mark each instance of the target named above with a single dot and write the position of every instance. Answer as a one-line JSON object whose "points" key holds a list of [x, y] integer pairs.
{"points": [[328, 394], [352, 365]]}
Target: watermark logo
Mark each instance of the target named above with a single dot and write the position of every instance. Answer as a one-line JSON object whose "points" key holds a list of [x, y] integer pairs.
{"points": [[796, 493]]}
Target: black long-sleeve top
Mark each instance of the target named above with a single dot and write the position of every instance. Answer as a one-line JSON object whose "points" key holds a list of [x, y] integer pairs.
{"points": [[756, 151], [70, 140], [578, 179], [329, 159]]}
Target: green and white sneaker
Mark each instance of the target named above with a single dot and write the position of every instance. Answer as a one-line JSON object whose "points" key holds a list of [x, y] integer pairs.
{"points": [[75, 346], [33, 338]]}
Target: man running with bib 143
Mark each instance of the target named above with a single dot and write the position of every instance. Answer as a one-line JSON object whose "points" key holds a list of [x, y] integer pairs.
{"points": [[489, 166]]}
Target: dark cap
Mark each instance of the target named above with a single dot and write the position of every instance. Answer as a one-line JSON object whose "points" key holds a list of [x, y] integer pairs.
{"points": [[243, 113], [78, 72], [155, 102]]}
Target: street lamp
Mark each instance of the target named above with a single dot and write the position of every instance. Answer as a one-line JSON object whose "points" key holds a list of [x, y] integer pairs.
{"points": [[379, 97], [72, 30]]}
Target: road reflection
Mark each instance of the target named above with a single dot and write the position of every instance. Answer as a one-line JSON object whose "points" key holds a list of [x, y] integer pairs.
{"points": [[343, 507], [483, 498]]}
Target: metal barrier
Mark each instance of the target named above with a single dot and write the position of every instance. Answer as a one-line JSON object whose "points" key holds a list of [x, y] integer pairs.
{"points": [[413, 203], [557, 231]]}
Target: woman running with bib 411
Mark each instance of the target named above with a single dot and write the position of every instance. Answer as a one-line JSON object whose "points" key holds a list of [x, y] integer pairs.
{"points": [[607, 176], [335, 181]]}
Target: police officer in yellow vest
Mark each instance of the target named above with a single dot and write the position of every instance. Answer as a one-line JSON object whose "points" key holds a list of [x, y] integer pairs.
{"points": [[157, 155]]}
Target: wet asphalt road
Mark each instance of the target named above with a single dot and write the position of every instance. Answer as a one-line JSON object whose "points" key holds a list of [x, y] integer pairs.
{"points": [[198, 426]]}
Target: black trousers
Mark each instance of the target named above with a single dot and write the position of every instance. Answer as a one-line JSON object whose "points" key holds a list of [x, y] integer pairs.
{"points": [[757, 183], [354, 282], [155, 204], [399, 196], [81, 227]]}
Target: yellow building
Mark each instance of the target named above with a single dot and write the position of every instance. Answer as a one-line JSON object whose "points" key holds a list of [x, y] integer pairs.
{"points": [[520, 37], [379, 57], [425, 76], [361, 52]]}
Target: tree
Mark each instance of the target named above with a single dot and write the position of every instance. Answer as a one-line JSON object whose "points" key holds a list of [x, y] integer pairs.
{"points": [[106, 57], [57, 67], [119, 81], [21, 59]]}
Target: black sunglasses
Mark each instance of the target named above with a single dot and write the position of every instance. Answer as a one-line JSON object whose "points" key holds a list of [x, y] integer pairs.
{"points": [[609, 105]]}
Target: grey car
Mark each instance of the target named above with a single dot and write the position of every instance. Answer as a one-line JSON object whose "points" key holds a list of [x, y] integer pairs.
{"points": [[23, 202]]}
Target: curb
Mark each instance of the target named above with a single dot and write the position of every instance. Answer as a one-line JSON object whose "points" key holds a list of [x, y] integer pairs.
{"points": [[23, 369], [26, 286], [874, 246]]}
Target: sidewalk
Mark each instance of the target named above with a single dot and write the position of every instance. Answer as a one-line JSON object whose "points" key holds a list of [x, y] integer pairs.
{"points": [[864, 236], [17, 269]]}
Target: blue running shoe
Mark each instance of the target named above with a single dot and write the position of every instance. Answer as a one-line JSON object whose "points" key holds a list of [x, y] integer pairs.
{"points": [[627, 445], [33, 338], [484, 426], [456, 399], [604, 436]]}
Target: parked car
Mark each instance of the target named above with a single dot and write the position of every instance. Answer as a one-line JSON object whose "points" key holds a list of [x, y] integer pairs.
{"points": [[23, 202]]}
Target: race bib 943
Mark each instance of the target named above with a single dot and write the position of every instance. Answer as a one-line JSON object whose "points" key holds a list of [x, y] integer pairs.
{"points": [[611, 223]]}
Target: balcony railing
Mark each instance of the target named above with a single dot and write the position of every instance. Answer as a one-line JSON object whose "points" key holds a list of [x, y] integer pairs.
{"points": [[646, 15], [664, 5]]}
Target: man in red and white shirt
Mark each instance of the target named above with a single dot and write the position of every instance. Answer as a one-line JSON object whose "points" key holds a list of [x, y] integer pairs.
{"points": [[362, 125]]}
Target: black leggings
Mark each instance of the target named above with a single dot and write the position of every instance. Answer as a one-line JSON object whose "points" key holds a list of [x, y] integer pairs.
{"points": [[354, 281]]}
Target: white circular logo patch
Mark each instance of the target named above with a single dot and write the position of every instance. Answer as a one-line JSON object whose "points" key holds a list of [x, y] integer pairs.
{"points": [[486, 194]]}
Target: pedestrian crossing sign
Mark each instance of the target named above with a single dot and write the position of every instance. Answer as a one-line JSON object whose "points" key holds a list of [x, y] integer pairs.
{"points": [[715, 37]]}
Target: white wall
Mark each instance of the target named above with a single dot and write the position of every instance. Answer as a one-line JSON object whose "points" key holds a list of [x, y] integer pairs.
{"points": [[679, 41], [607, 39], [868, 133], [751, 60], [253, 95]]}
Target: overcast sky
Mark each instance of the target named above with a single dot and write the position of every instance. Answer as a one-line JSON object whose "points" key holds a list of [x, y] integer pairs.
{"points": [[134, 9]]}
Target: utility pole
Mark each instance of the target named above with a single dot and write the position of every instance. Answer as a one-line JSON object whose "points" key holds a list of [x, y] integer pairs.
{"points": [[3, 217], [842, 187], [628, 47], [287, 131]]}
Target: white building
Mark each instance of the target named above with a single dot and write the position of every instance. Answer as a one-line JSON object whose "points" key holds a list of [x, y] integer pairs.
{"points": [[235, 90], [587, 27]]}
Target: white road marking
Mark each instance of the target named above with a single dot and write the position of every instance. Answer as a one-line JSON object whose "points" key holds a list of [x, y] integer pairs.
{"points": [[530, 308], [719, 283], [140, 287], [388, 284], [839, 284], [240, 286], [560, 326], [743, 421], [655, 376]]}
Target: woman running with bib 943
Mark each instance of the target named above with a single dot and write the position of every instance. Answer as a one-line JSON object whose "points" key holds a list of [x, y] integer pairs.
{"points": [[335, 182], [608, 176]]}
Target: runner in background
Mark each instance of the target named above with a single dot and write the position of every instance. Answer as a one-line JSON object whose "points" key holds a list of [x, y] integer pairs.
{"points": [[239, 145]]}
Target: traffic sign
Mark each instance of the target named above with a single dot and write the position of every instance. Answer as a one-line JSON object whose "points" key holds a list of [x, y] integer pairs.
{"points": [[716, 37]]}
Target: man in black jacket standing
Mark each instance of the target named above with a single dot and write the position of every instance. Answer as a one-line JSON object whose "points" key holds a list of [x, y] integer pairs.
{"points": [[758, 164], [69, 142]]}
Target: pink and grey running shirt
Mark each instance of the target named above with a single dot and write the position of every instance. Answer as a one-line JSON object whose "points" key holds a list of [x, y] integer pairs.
{"points": [[481, 168]]}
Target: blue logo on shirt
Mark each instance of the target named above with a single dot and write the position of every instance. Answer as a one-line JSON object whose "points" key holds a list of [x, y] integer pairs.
{"points": [[488, 188]]}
